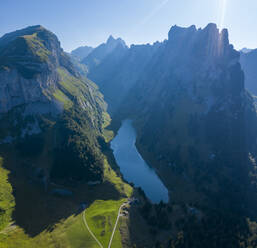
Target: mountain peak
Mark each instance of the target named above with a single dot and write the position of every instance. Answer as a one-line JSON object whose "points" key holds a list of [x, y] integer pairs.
{"points": [[192, 40], [177, 31], [110, 39], [35, 28], [211, 26], [30, 30], [114, 42], [36, 45]]}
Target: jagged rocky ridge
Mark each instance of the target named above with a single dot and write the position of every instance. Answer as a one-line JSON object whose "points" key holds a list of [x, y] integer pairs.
{"points": [[120, 70], [196, 123]]}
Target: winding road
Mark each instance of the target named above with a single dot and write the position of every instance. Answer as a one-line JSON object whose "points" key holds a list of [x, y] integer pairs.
{"points": [[114, 229]]}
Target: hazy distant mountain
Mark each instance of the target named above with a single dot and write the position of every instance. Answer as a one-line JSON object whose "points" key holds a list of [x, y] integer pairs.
{"points": [[81, 68], [82, 52], [100, 52], [246, 50], [249, 65], [119, 71]]}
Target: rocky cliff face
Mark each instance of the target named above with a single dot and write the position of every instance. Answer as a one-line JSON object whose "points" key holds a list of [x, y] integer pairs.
{"points": [[197, 84], [195, 121], [42, 95], [35, 70], [29, 60], [120, 71], [192, 111], [16, 90], [249, 65]]}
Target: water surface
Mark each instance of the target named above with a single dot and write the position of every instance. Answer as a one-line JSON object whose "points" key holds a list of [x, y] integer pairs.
{"points": [[133, 167]]}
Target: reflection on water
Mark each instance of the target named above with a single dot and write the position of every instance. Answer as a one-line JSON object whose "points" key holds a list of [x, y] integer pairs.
{"points": [[133, 167]]}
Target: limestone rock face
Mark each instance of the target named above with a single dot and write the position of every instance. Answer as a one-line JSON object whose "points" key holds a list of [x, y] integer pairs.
{"points": [[16, 90], [32, 68], [38, 78]]}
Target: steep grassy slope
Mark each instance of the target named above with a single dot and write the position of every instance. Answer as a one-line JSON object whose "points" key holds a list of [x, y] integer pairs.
{"points": [[6, 197], [52, 140]]}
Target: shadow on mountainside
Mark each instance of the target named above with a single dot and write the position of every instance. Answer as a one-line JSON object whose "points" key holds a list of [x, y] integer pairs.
{"points": [[38, 209]]}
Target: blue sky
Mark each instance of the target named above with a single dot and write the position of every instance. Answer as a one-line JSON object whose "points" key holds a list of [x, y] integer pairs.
{"points": [[90, 22]]}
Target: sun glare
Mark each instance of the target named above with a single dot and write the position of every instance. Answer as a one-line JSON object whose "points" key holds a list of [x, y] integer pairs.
{"points": [[222, 11]]}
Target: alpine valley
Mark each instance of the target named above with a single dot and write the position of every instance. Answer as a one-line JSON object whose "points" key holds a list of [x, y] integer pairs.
{"points": [[188, 101]]}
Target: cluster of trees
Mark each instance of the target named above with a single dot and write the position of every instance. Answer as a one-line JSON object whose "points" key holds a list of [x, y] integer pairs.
{"points": [[77, 154], [156, 216], [213, 231]]}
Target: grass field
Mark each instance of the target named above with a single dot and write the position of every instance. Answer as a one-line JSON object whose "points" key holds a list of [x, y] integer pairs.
{"points": [[71, 233], [101, 217], [6, 198], [66, 227]]}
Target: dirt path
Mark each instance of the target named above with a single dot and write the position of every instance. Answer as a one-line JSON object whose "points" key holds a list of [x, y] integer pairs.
{"points": [[116, 223], [114, 229], [85, 222]]}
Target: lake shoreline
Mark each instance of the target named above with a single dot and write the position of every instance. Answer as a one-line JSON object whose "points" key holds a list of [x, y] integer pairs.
{"points": [[133, 167]]}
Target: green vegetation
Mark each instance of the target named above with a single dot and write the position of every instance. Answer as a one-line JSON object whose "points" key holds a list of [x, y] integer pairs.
{"points": [[34, 43], [68, 153], [6, 198], [110, 175], [26, 53], [77, 154], [73, 86], [70, 233], [101, 217], [79, 91], [61, 97], [108, 134]]}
